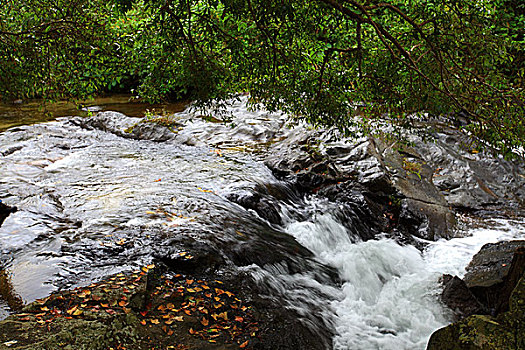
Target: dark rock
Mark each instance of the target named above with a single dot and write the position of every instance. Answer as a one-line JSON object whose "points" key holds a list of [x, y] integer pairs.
{"points": [[361, 211], [491, 264], [501, 288], [262, 205], [5, 211], [516, 271], [488, 271], [185, 254], [459, 298], [483, 332]]}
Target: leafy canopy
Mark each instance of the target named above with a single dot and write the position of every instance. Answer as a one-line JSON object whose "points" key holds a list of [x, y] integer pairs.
{"points": [[316, 59]]}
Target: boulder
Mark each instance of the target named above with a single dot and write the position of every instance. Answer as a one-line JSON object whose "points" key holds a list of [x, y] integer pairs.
{"points": [[458, 297], [493, 285], [488, 272], [484, 332]]}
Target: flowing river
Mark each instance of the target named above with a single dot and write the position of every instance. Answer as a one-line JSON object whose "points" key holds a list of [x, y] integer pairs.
{"points": [[93, 203]]}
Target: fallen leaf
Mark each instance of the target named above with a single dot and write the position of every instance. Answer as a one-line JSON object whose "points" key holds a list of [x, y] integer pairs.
{"points": [[73, 309], [204, 322], [243, 345], [77, 312], [239, 319], [154, 321]]}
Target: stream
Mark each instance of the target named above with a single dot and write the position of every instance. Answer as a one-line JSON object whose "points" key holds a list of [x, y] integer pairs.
{"points": [[93, 203]]}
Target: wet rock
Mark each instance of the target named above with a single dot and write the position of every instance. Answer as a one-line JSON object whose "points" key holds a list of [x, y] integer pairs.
{"points": [[263, 204], [128, 127], [471, 179], [458, 297], [160, 308], [488, 272], [491, 264], [506, 331], [500, 287], [361, 211], [378, 169], [186, 254], [5, 211]]}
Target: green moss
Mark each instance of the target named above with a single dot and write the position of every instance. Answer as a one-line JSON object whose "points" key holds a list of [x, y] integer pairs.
{"points": [[482, 332]]}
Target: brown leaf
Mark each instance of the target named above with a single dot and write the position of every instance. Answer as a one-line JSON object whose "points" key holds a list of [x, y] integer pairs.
{"points": [[204, 322], [239, 319], [243, 345]]}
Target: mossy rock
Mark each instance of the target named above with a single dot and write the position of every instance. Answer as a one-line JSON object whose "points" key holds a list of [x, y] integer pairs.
{"points": [[481, 332]]}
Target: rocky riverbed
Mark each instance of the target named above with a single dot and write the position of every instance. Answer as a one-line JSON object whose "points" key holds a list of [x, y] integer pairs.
{"points": [[325, 241]]}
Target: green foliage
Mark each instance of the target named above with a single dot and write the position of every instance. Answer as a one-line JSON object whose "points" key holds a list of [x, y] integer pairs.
{"points": [[333, 62]]}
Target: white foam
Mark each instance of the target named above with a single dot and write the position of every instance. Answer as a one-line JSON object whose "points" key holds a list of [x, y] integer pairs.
{"points": [[389, 298]]}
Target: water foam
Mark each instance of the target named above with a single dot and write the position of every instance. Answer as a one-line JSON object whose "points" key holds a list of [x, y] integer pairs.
{"points": [[389, 295]]}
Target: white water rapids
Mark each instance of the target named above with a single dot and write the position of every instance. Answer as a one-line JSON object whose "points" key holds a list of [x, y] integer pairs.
{"points": [[389, 296]]}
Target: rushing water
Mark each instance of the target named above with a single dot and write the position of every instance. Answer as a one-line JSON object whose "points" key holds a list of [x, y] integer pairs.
{"points": [[92, 203]]}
